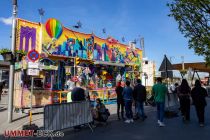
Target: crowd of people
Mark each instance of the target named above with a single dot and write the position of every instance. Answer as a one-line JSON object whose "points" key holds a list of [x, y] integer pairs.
{"points": [[136, 95], [195, 96], [127, 96]]}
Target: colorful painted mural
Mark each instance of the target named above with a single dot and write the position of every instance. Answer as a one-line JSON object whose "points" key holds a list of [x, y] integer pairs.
{"points": [[102, 62], [52, 38]]}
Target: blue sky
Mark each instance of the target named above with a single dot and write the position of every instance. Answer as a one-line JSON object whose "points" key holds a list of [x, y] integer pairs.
{"points": [[128, 18]]}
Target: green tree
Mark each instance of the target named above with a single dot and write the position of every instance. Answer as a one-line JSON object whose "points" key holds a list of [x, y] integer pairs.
{"points": [[193, 17]]}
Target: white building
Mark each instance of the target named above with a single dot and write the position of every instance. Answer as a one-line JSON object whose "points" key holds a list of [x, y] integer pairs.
{"points": [[148, 69]]}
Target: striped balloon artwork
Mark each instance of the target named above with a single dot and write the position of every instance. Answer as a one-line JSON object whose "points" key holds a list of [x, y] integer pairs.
{"points": [[54, 28]]}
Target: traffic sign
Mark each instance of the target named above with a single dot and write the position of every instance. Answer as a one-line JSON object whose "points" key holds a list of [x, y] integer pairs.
{"points": [[33, 55]]}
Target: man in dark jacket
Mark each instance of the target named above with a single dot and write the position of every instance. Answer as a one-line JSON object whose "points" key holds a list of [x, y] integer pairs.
{"points": [[139, 95], [78, 93], [120, 101]]}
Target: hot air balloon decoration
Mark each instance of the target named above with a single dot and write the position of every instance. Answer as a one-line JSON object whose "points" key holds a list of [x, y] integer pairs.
{"points": [[54, 29]]}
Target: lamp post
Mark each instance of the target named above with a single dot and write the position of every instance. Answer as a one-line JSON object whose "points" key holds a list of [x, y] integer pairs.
{"points": [[12, 64], [145, 78]]}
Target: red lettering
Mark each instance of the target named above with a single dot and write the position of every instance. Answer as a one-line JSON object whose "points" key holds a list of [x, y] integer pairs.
{"points": [[13, 133], [27, 133], [31, 133], [20, 133], [6, 133]]}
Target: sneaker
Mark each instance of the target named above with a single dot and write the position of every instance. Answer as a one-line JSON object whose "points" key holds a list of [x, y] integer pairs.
{"points": [[93, 126], [158, 122], [201, 125], [131, 120], [183, 118], [127, 121], [161, 124]]}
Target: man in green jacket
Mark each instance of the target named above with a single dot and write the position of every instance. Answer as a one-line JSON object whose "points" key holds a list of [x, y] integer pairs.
{"points": [[159, 91]]}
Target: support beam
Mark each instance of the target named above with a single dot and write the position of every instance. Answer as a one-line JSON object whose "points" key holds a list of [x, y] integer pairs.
{"points": [[198, 75], [192, 77]]}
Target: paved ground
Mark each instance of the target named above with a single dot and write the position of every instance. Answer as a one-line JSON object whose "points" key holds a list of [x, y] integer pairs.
{"points": [[19, 118], [147, 130]]}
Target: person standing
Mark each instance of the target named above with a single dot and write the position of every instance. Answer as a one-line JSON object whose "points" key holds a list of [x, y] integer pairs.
{"points": [[127, 96], [198, 95], [159, 92], [2, 85], [120, 101], [184, 98], [78, 93], [139, 95]]}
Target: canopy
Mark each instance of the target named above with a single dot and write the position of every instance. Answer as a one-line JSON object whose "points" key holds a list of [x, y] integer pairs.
{"points": [[109, 63], [198, 66]]}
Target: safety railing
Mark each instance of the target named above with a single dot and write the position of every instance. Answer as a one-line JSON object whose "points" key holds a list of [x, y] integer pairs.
{"points": [[67, 115]]}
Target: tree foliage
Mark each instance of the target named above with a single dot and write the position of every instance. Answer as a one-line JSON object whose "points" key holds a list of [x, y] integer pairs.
{"points": [[193, 17]]}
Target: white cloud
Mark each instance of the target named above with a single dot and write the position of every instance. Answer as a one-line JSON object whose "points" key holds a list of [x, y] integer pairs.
{"points": [[7, 21]]}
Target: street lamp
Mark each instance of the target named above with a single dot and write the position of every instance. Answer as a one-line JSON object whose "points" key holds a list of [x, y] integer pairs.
{"points": [[12, 64], [145, 77]]}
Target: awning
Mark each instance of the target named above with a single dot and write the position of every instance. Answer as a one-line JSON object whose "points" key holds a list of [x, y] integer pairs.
{"points": [[198, 66], [58, 57], [86, 61], [109, 63]]}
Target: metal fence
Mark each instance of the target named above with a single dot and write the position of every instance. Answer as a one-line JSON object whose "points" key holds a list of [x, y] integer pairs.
{"points": [[171, 102], [66, 115]]}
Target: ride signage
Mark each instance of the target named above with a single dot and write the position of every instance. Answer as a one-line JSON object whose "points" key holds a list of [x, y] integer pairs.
{"points": [[33, 72]]}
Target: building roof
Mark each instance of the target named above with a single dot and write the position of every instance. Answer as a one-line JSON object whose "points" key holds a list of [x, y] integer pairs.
{"points": [[4, 65]]}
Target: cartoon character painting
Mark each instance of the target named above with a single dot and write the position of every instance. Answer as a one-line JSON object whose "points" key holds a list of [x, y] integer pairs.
{"points": [[90, 47]]}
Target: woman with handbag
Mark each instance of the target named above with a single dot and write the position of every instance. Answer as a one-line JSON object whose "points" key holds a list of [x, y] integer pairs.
{"points": [[198, 95], [184, 99]]}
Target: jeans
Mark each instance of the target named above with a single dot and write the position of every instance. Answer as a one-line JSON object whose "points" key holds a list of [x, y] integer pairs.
{"points": [[140, 108], [120, 105], [200, 110], [160, 111], [185, 107], [128, 109]]}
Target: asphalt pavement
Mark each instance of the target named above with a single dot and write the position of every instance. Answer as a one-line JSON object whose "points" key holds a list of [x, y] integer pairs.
{"points": [[175, 129], [146, 130]]}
